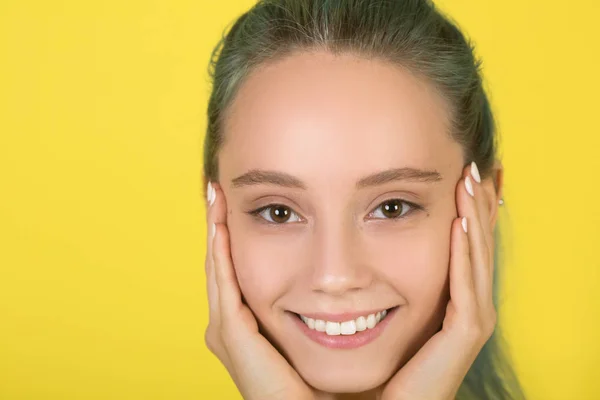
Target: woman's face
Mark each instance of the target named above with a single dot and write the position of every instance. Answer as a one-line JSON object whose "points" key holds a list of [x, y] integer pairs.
{"points": [[340, 242]]}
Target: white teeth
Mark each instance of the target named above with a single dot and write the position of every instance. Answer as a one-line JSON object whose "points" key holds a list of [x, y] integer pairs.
{"points": [[347, 327], [320, 325], [361, 324], [332, 328], [371, 322]]}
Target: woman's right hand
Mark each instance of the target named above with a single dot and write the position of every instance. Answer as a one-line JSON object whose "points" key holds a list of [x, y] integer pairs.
{"points": [[257, 368]]}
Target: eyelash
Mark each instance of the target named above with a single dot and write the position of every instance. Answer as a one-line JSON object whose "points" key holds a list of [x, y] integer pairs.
{"points": [[413, 207]]}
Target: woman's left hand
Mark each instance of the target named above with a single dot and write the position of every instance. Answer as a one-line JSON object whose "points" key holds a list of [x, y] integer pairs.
{"points": [[437, 370]]}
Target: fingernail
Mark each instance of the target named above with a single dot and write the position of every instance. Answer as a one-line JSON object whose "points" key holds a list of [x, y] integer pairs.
{"points": [[214, 230], [464, 224], [469, 186], [475, 172], [208, 191], [213, 197]]}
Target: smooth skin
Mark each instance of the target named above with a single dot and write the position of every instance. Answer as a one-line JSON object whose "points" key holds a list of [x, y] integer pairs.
{"points": [[434, 372]]}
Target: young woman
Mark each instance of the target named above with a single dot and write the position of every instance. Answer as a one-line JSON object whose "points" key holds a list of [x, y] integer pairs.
{"points": [[352, 198]]}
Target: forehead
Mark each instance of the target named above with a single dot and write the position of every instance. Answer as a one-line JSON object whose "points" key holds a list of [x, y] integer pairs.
{"points": [[347, 115]]}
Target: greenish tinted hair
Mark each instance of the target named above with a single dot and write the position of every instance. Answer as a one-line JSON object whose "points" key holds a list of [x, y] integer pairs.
{"points": [[410, 33]]}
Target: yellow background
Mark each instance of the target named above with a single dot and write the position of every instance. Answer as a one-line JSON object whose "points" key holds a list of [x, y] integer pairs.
{"points": [[102, 231]]}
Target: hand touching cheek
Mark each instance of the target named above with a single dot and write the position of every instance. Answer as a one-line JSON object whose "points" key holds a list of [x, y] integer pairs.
{"points": [[257, 368], [439, 367]]}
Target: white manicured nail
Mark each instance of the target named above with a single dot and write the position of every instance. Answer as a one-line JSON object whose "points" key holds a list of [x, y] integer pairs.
{"points": [[214, 230], [213, 196], [475, 172], [464, 224], [469, 186], [208, 191]]}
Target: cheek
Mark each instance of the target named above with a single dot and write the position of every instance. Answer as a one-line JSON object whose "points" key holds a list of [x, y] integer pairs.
{"points": [[260, 266], [416, 263], [413, 262]]}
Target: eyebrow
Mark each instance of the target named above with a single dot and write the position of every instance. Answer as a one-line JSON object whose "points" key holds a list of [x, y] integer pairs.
{"points": [[277, 178]]}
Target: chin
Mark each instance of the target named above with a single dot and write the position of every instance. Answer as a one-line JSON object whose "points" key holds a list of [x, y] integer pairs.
{"points": [[346, 377]]}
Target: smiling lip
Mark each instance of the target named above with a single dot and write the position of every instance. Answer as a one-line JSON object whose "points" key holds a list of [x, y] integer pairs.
{"points": [[343, 341]]}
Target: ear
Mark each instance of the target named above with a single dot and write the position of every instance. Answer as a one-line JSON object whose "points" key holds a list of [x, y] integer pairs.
{"points": [[493, 186]]}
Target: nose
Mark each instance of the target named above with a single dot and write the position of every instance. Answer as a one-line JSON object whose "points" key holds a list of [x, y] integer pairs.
{"points": [[338, 266]]}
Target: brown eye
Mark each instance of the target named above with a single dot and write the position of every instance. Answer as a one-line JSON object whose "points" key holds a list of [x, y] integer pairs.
{"points": [[279, 214], [276, 213], [394, 209]]}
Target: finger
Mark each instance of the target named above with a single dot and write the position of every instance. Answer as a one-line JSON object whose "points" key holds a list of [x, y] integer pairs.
{"points": [[218, 209], [216, 213], [479, 252], [229, 292], [211, 284], [462, 290], [482, 203]]}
